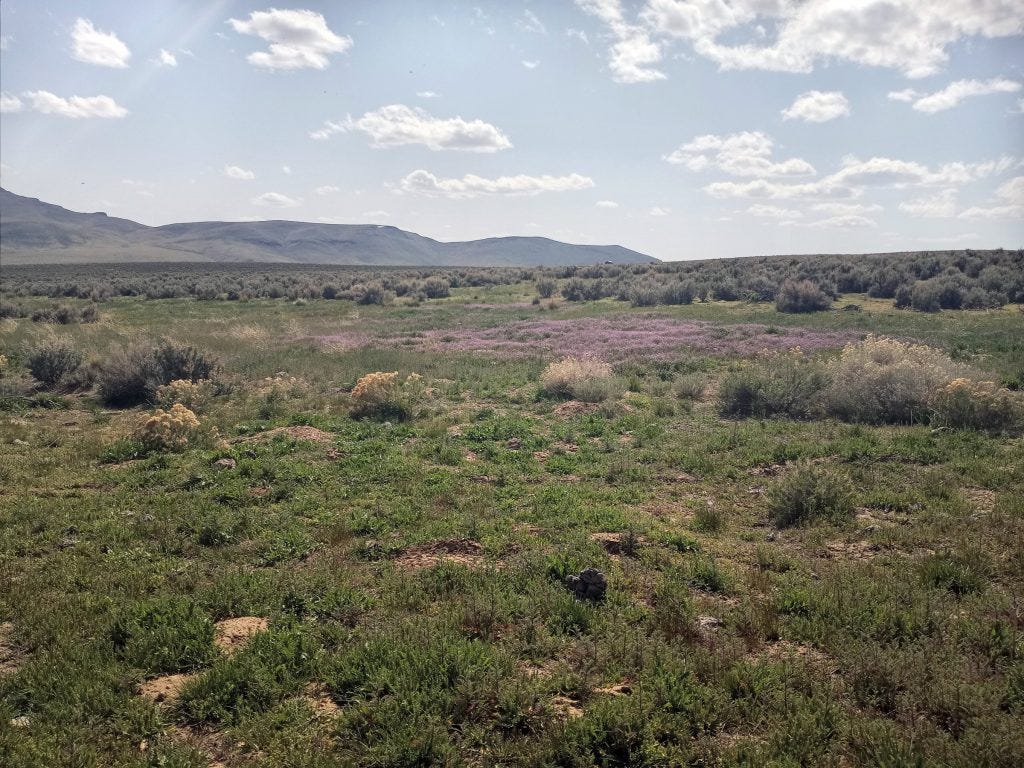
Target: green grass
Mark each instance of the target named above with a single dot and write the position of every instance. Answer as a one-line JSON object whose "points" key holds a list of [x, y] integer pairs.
{"points": [[412, 572]]}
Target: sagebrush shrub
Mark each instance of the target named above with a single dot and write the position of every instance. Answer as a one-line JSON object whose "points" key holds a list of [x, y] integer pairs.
{"points": [[882, 380], [131, 375], [810, 492], [801, 296], [52, 359], [788, 384], [578, 378], [384, 395], [194, 395], [975, 404], [168, 430]]}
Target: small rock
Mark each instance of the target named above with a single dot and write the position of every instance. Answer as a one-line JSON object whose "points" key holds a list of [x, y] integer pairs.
{"points": [[66, 543], [224, 463], [708, 622], [870, 529], [16, 441], [20, 722], [590, 584], [514, 444]]}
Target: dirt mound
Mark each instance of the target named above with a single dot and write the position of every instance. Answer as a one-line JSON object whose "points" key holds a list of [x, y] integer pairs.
{"points": [[231, 635], [574, 408], [463, 551], [164, 689]]}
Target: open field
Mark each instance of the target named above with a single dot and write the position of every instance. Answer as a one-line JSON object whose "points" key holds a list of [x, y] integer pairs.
{"points": [[299, 587]]}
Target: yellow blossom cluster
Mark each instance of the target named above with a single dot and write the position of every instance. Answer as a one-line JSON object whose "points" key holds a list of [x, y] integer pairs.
{"points": [[191, 394], [979, 404], [168, 430], [382, 393]]}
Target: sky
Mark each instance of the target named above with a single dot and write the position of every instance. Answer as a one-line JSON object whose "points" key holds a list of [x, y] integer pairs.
{"points": [[700, 129]]}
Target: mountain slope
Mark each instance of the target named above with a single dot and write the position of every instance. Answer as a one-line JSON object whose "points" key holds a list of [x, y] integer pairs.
{"points": [[35, 232]]}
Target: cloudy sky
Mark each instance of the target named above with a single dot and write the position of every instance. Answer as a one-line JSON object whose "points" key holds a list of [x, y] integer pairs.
{"points": [[680, 129]]}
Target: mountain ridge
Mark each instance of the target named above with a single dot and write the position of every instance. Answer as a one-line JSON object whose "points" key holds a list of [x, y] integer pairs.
{"points": [[33, 231]]}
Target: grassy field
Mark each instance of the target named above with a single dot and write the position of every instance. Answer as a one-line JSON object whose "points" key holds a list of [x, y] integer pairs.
{"points": [[303, 588]]}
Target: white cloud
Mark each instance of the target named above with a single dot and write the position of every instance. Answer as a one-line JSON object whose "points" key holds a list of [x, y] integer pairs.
{"points": [[425, 183], [938, 206], [5, 42], [298, 39], [285, 169], [579, 34], [531, 64], [104, 49], [957, 91], [376, 215], [606, 204], [817, 107], [845, 222], [397, 125], [659, 211], [531, 23], [239, 174], [845, 209], [167, 59], [633, 54], [75, 106], [10, 103], [428, 94], [327, 189], [907, 95], [276, 200], [739, 154], [911, 36], [773, 212], [1010, 205]]}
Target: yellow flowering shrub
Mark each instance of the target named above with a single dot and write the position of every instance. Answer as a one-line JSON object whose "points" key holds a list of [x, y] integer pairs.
{"points": [[579, 378], [977, 404], [168, 430], [384, 394], [194, 395]]}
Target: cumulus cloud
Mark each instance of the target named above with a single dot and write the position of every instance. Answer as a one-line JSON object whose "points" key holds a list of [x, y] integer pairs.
{"points": [[239, 174], [427, 94], [327, 189], [659, 211], [817, 107], [397, 125], [773, 212], [907, 95], [633, 53], [938, 206], [844, 222], [738, 154], [298, 39], [1009, 206], [425, 183], [606, 204], [75, 106], [276, 200], [167, 59], [845, 209], [957, 91], [104, 49], [911, 37], [531, 64], [10, 103]]}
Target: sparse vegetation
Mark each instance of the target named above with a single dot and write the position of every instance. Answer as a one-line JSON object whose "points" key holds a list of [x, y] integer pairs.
{"points": [[582, 379]]}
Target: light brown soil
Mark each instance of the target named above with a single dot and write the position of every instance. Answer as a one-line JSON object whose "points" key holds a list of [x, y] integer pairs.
{"points": [[316, 695], [565, 707], [574, 408], [231, 635], [463, 551], [10, 657], [164, 689]]}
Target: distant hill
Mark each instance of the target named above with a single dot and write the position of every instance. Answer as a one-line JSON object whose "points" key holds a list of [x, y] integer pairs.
{"points": [[34, 232]]}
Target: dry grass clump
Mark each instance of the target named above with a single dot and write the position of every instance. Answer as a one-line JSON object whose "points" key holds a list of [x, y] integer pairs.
{"points": [[194, 395], [883, 380], [168, 430], [384, 395], [578, 378], [810, 492], [777, 384], [53, 359], [975, 404]]}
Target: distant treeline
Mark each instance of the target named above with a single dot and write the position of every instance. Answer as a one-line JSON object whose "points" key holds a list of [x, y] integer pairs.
{"points": [[926, 281]]}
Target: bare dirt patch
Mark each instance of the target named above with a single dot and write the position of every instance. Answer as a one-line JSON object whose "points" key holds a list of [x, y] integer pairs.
{"points": [[463, 551], [312, 434], [572, 408], [618, 689], [563, 706], [320, 701], [164, 689], [231, 635], [616, 544], [10, 656], [981, 500]]}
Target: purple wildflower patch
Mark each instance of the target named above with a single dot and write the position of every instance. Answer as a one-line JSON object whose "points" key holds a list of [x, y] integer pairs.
{"points": [[623, 337]]}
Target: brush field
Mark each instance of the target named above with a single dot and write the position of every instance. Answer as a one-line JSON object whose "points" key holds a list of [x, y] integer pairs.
{"points": [[299, 586]]}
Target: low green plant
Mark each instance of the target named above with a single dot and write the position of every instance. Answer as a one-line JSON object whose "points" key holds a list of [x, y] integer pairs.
{"points": [[164, 635], [808, 493]]}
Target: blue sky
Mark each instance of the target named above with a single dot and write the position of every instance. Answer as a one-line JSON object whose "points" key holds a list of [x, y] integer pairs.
{"points": [[680, 129]]}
